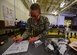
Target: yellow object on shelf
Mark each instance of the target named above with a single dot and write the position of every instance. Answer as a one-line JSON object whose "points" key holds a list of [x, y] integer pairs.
{"points": [[60, 34], [2, 42], [69, 35], [52, 33], [72, 39]]}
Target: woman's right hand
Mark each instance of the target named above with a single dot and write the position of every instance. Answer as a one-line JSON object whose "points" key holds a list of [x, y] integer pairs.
{"points": [[17, 39], [14, 39]]}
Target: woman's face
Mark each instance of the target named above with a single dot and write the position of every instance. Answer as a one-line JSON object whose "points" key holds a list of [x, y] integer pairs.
{"points": [[35, 13]]}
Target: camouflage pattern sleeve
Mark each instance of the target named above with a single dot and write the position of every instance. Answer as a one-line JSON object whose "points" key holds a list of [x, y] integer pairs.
{"points": [[28, 29], [46, 26]]}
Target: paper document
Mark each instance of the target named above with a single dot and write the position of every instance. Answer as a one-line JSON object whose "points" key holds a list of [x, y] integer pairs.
{"points": [[38, 43], [17, 47], [50, 47], [62, 49]]}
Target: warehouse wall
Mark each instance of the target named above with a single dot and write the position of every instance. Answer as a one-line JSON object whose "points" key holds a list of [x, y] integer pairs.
{"points": [[56, 20], [61, 20], [52, 19], [74, 21], [21, 12]]}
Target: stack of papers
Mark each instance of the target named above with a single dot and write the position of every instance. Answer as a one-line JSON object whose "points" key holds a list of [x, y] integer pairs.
{"points": [[50, 47], [37, 43], [62, 49], [17, 47]]}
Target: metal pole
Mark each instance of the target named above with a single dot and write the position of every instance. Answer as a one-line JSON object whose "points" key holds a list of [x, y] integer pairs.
{"points": [[14, 11]]}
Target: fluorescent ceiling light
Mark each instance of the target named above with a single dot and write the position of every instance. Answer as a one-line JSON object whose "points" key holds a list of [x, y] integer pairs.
{"points": [[62, 4], [55, 12], [34, 1]]}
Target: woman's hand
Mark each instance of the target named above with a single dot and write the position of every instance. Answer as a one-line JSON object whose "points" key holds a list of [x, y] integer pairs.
{"points": [[17, 39], [33, 39]]}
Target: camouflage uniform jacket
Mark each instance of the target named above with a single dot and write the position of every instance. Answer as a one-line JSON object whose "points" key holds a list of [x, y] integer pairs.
{"points": [[39, 28]]}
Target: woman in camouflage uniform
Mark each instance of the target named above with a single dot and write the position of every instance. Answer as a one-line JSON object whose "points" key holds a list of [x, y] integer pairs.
{"points": [[37, 25]]}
